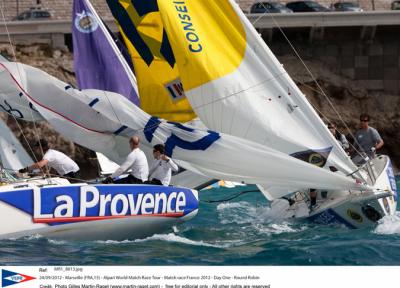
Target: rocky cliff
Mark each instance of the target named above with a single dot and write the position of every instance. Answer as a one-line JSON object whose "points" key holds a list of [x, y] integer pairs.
{"points": [[349, 101]]}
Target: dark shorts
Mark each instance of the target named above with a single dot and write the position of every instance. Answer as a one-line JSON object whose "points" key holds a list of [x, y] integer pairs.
{"points": [[128, 180], [73, 177], [153, 181]]}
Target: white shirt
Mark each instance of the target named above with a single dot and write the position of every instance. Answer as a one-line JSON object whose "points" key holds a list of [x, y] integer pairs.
{"points": [[60, 162], [137, 162], [161, 170]]}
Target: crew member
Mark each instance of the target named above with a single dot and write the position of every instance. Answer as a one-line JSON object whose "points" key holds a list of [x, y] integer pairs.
{"points": [[368, 139], [136, 161], [162, 167], [57, 160]]}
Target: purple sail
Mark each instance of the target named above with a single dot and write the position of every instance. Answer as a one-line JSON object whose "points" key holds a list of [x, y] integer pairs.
{"points": [[98, 62]]}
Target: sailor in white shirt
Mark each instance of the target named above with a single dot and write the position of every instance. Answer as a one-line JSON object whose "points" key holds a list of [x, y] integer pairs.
{"points": [[57, 160], [136, 161], [161, 168]]}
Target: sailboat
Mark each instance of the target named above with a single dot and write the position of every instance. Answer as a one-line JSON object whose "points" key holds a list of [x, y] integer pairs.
{"points": [[102, 121], [52, 207], [235, 85]]}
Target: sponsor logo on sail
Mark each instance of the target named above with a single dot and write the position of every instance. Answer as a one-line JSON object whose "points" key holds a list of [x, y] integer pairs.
{"points": [[9, 278], [315, 157], [193, 39], [175, 90], [85, 22]]}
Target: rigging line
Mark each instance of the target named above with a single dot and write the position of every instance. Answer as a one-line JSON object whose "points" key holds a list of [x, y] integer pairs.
{"points": [[321, 92], [313, 78], [230, 198], [112, 107], [325, 117], [18, 68]]}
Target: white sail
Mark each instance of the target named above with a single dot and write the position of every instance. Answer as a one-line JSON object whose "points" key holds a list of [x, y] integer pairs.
{"points": [[12, 155], [13, 98], [107, 167], [237, 86], [102, 120]]}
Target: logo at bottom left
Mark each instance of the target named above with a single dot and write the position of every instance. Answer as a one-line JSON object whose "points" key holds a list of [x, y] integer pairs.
{"points": [[9, 278]]}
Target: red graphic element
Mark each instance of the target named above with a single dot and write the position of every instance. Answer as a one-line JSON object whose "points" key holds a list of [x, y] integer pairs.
{"points": [[26, 278], [93, 218], [178, 89]]}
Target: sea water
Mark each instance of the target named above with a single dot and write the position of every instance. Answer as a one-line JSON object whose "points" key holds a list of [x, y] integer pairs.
{"points": [[239, 232]]}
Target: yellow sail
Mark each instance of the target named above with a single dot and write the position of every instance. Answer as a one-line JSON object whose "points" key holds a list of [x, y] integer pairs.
{"points": [[208, 38], [160, 88]]}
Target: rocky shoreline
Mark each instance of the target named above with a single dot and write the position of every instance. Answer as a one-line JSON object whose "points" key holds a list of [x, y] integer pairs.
{"points": [[347, 99]]}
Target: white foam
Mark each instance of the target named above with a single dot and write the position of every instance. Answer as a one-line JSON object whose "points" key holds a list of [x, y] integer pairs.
{"points": [[34, 237], [228, 205], [57, 242], [276, 228], [389, 225], [171, 237], [115, 241], [178, 239]]}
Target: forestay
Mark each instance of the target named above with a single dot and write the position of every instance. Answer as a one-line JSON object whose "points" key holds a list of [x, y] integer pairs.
{"points": [[104, 128], [237, 86]]}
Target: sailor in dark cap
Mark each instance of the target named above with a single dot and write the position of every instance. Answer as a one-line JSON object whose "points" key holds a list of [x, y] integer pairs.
{"points": [[57, 160]]}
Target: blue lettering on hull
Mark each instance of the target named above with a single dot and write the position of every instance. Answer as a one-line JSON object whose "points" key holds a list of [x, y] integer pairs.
{"points": [[329, 216], [392, 179], [62, 205]]}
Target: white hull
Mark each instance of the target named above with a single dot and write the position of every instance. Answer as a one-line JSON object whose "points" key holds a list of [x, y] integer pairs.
{"points": [[354, 209], [92, 212]]}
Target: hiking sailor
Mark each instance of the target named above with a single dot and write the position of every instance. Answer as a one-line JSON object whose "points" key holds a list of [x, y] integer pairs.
{"points": [[57, 160], [367, 138], [161, 168], [136, 161]]}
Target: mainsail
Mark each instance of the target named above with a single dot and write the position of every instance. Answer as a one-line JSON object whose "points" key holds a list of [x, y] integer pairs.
{"points": [[105, 127], [160, 87], [237, 86]]}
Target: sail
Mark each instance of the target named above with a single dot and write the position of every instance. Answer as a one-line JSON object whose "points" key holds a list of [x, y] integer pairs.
{"points": [[237, 86], [160, 87], [107, 167], [12, 155], [12, 99], [105, 127], [98, 63]]}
